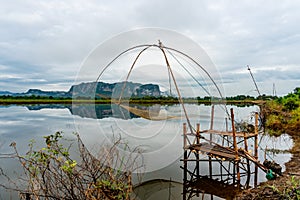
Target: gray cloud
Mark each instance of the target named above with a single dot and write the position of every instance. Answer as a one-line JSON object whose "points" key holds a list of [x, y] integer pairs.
{"points": [[45, 42]]}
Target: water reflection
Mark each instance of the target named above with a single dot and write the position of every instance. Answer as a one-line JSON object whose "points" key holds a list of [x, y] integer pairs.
{"points": [[100, 111], [220, 182], [204, 187], [158, 189], [22, 124]]}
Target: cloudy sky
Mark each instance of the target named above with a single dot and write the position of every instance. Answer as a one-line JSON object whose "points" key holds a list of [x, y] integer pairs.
{"points": [[44, 43]]}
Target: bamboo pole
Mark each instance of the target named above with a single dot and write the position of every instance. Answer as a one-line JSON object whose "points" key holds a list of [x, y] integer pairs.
{"points": [[248, 162], [212, 117], [210, 137], [185, 158], [256, 148], [198, 133], [197, 154], [235, 146], [246, 142]]}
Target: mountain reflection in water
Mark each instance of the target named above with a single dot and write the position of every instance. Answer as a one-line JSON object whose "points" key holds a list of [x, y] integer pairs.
{"points": [[21, 124], [99, 111]]}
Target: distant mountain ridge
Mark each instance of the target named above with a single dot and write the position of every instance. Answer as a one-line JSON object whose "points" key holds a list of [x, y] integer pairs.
{"points": [[6, 93], [102, 90]]}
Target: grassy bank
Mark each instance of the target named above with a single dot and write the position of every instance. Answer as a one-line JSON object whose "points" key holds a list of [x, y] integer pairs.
{"points": [[283, 114]]}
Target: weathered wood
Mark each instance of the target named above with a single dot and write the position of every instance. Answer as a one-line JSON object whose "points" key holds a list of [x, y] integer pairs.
{"points": [[210, 138], [235, 146], [184, 135], [212, 117], [237, 156], [213, 150], [256, 148], [185, 157], [225, 152], [237, 134], [197, 155]]}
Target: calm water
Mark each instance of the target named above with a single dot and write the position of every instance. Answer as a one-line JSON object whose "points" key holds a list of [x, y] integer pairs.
{"points": [[159, 140]]}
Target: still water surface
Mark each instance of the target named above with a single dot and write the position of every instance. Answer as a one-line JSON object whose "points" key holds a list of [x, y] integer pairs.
{"points": [[160, 141]]}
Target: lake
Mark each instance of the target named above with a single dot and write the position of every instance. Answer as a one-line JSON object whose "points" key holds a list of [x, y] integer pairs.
{"points": [[159, 140]]}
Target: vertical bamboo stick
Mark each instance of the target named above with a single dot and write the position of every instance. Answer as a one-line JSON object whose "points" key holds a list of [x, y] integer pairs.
{"points": [[235, 146], [212, 117], [185, 157], [210, 138], [256, 148], [248, 162], [198, 133], [197, 154]]}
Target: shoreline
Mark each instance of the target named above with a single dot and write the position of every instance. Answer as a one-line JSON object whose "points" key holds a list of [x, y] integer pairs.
{"points": [[276, 189], [108, 101]]}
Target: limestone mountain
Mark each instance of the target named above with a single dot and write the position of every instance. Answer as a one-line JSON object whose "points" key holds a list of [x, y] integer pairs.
{"points": [[99, 90]]}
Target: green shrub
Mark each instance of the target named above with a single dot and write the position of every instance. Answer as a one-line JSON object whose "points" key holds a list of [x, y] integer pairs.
{"points": [[52, 173]]}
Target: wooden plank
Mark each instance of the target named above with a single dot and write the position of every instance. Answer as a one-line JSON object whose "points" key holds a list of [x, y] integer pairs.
{"points": [[238, 134], [210, 149]]}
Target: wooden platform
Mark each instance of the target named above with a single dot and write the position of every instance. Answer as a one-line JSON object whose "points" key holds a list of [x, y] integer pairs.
{"points": [[214, 150], [224, 153]]}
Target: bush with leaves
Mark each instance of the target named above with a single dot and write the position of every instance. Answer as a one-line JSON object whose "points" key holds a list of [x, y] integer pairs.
{"points": [[283, 114], [51, 173]]}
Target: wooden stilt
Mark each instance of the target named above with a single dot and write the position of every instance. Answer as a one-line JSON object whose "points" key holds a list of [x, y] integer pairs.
{"points": [[235, 146], [210, 137], [248, 162], [185, 157], [229, 152], [256, 148], [197, 155], [212, 117]]}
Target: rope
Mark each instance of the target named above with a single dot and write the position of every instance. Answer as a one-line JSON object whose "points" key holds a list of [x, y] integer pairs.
{"points": [[177, 89], [170, 72], [128, 74], [205, 71], [189, 73]]}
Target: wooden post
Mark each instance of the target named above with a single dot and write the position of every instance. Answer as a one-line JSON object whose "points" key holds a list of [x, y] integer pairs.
{"points": [[248, 162], [235, 146], [210, 138], [256, 148], [212, 117], [185, 157], [198, 133], [197, 156], [197, 153]]}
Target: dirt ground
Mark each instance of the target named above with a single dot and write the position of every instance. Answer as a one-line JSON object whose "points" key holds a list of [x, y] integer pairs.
{"points": [[284, 187]]}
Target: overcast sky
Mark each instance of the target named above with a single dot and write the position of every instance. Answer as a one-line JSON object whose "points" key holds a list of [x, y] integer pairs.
{"points": [[43, 43]]}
